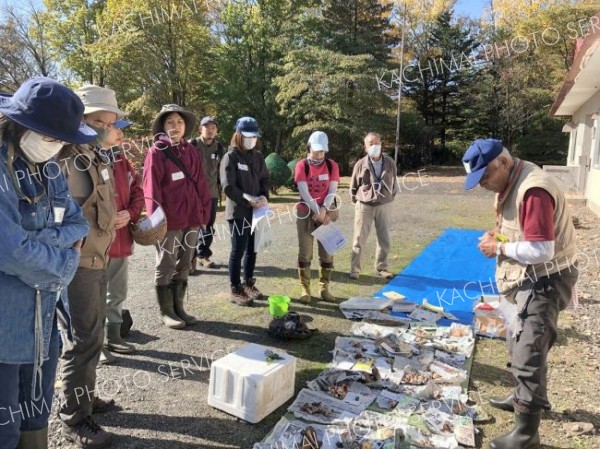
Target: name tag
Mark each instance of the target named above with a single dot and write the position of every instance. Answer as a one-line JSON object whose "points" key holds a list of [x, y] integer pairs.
{"points": [[213, 156], [105, 175], [177, 176], [59, 213], [324, 177], [242, 167]]}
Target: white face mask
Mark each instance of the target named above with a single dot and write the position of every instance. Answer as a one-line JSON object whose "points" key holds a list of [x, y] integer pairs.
{"points": [[374, 150], [36, 148], [249, 142]]}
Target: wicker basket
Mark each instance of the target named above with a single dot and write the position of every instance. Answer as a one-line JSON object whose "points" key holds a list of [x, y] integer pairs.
{"points": [[152, 235]]}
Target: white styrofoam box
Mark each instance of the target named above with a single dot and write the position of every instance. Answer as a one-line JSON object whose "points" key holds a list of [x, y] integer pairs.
{"points": [[245, 385]]}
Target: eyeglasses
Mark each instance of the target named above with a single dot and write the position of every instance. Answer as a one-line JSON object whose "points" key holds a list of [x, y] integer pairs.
{"points": [[102, 124], [50, 139]]}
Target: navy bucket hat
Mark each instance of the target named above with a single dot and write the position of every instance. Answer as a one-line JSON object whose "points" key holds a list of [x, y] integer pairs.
{"points": [[49, 108], [477, 158]]}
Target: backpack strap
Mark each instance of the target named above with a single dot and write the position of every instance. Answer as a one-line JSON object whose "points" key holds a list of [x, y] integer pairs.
{"points": [[307, 167]]}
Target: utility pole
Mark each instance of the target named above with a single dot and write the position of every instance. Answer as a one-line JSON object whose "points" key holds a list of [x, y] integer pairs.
{"points": [[399, 110]]}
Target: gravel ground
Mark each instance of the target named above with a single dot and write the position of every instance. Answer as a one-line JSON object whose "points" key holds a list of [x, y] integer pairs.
{"points": [[162, 389]]}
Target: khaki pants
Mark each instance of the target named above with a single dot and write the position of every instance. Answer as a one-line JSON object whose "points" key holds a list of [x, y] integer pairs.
{"points": [[364, 216], [305, 227], [174, 255]]}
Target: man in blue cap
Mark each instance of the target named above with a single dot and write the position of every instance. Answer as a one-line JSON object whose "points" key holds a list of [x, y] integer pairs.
{"points": [[536, 269]]}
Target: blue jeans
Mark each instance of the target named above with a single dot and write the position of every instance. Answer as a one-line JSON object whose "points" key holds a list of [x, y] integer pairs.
{"points": [[242, 246], [18, 412]]}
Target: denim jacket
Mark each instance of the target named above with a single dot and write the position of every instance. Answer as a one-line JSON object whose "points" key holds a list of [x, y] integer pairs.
{"points": [[37, 261]]}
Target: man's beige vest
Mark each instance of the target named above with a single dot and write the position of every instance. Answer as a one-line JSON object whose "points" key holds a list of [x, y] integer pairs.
{"points": [[510, 274]]}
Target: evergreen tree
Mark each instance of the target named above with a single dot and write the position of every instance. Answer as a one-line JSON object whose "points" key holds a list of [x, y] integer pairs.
{"points": [[355, 27], [442, 75]]}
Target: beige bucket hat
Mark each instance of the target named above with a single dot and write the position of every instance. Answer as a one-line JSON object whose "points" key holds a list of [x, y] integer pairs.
{"points": [[96, 98]]}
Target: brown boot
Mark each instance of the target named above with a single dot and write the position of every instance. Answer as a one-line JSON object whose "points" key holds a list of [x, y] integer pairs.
{"points": [[179, 288], [304, 275], [324, 285], [164, 295], [239, 296]]}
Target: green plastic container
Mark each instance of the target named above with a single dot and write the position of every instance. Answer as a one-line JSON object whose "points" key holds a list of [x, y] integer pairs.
{"points": [[278, 305]]}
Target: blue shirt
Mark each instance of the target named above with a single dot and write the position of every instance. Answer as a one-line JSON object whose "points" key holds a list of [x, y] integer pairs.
{"points": [[36, 255]]}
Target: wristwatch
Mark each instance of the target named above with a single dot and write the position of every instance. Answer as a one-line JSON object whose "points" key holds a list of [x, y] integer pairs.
{"points": [[498, 248]]}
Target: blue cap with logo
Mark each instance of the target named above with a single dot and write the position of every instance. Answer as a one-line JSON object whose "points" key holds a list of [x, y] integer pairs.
{"points": [[477, 158]]}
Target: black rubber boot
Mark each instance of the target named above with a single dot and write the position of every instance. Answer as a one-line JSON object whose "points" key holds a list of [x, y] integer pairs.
{"points": [[34, 439], [164, 294], [114, 341], [179, 288], [503, 403], [524, 436]]}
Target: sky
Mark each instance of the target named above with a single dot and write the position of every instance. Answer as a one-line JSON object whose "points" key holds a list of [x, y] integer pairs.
{"points": [[471, 8]]}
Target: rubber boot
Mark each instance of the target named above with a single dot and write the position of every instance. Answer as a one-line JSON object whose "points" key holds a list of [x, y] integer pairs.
{"points": [[503, 403], [114, 341], [304, 275], [524, 436], [324, 285], [34, 439], [106, 358], [179, 288], [164, 294]]}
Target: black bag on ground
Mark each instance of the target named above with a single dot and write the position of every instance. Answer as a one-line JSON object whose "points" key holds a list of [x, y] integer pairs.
{"points": [[127, 323], [290, 327]]}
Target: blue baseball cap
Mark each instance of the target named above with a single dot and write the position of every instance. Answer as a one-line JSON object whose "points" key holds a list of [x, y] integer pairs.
{"points": [[477, 158], [49, 108], [120, 124], [247, 126]]}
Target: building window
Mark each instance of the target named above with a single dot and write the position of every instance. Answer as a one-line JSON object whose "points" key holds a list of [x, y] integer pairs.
{"points": [[595, 153], [573, 148]]}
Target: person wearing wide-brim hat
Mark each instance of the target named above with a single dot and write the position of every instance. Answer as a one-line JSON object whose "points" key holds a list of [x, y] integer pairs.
{"points": [[91, 183], [174, 178], [42, 230]]}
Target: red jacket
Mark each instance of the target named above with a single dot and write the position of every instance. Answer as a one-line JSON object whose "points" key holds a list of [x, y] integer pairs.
{"points": [[128, 195], [186, 202]]}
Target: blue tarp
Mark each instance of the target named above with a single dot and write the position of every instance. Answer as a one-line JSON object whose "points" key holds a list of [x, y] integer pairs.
{"points": [[450, 272]]}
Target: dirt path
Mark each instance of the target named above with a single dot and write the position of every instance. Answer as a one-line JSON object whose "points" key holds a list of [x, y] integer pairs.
{"points": [[162, 389]]}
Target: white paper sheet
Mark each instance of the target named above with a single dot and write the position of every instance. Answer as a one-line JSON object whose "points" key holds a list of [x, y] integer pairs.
{"points": [[157, 217], [331, 238]]}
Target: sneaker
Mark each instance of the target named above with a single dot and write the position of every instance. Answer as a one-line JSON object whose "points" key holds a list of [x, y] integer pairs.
{"points": [[87, 434], [385, 274], [206, 262], [353, 275], [252, 292], [239, 297], [100, 405]]}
